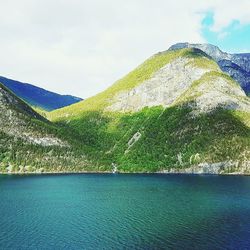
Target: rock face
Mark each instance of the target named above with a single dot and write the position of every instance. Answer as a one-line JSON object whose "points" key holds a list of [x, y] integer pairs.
{"points": [[165, 86], [236, 65]]}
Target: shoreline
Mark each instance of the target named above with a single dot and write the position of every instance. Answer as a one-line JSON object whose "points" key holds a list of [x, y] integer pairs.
{"points": [[228, 168], [121, 173]]}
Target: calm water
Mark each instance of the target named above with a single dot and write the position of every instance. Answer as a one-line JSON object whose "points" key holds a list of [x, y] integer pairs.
{"points": [[95, 211]]}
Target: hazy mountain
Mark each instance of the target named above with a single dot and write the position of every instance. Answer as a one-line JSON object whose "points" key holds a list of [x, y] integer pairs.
{"points": [[38, 97]]}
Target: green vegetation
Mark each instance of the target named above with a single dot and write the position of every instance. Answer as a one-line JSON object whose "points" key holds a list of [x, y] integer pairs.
{"points": [[104, 137], [21, 126], [24, 156], [213, 137]]}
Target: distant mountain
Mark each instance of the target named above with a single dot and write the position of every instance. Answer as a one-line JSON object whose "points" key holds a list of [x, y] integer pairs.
{"points": [[237, 72], [236, 65], [177, 112], [38, 97], [29, 142]]}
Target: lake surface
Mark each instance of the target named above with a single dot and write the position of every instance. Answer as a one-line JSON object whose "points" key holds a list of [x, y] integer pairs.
{"points": [[95, 211]]}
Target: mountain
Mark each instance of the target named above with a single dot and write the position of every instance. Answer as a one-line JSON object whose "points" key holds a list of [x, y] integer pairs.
{"points": [[236, 65], [38, 97], [177, 112], [29, 142], [238, 73]]}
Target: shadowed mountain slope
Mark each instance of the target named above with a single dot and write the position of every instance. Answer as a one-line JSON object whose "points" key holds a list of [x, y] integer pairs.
{"points": [[29, 142]]}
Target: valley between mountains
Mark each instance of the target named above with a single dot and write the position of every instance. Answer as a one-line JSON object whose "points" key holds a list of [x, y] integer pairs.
{"points": [[184, 110]]}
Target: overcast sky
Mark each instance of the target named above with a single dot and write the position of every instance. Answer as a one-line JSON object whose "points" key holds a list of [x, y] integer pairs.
{"points": [[80, 47]]}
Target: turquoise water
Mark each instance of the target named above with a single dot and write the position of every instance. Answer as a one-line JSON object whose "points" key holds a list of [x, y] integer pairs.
{"points": [[94, 211]]}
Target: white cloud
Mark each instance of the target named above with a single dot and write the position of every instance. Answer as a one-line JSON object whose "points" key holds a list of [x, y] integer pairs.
{"points": [[226, 11], [223, 35], [82, 46]]}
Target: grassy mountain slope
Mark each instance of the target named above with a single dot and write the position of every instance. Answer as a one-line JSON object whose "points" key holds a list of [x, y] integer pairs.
{"points": [[204, 125], [30, 143], [38, 97], [144, 72]]}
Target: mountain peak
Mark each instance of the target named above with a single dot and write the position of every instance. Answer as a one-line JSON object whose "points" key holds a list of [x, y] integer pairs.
{"points": [[235, 65], [182, 45], [210, 49]]}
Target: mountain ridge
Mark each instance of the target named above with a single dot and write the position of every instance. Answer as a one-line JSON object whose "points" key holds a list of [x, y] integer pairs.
{"points": [[239, 69], [38, 97]]}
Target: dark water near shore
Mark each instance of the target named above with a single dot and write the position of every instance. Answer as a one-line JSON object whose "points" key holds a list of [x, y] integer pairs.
{"points": [[94, 211]]}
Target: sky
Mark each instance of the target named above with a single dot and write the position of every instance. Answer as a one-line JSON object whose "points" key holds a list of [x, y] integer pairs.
{"points": [[81, 47]]}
